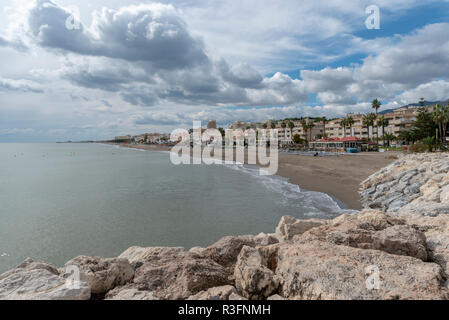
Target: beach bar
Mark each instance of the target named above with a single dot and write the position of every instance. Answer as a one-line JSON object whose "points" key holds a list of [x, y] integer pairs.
{"points": [[337, 144]]}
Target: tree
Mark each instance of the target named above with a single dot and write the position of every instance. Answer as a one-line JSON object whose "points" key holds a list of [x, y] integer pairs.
{"points": [[389, 137], [273, 125], [297, 139], [429, 142], [350, 122], [344, 124], [424, 126], [368, 121], [291, 125], [405, 136], [283, 125], [324, 121], [422, 102], [441, 118], [382, 122], [223, 132], [265, 126], [376, 105], [305, 126]]}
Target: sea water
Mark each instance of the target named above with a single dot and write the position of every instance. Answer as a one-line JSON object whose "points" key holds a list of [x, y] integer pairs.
{"points": [[58, 201]]}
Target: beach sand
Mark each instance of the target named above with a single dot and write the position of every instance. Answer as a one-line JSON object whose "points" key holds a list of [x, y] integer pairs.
{"points": [[337, 176]]}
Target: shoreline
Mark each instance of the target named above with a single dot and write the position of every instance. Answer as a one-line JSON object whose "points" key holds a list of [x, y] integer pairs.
{"points": [[337, 176], [398, 235]]}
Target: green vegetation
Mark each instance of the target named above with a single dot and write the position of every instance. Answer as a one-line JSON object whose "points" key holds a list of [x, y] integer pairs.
{"points": [[297, 139]]}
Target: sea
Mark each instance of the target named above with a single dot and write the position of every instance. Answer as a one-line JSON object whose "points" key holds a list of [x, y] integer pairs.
{"points": [[59, 201]]}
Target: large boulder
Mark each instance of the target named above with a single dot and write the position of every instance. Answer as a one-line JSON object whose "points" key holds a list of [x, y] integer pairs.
{"points": [[436, 230], [174, 274], [103, 274], [218, 293], [30, 264], [371, 230], [253, 279], [321, 270], [227, 249], [288, 227], [33, 280]]}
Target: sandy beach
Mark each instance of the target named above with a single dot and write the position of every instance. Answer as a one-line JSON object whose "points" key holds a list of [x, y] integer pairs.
{"points": [[338, 176]]}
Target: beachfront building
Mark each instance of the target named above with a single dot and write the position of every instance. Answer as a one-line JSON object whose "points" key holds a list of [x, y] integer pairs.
{"points": [[286, 135], [337, 144], [399, 120]]}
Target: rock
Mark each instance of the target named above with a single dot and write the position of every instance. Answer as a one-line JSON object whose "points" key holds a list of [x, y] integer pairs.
{"points": [[410, 184], [374, 219], [103, 274], [31, 264], [401, 240], [444, 195], [226, 250], [129, 293], [173, 273], [40, 284], [323, 271], [253, 279], [218, 293], [288, 227], [138, 254], [371, 230]]}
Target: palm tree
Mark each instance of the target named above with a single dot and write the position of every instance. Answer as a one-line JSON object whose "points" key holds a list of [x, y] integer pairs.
{"points": [[305, 127], [382, 122], [405, 136], [324, 120], [273, 125], [368, 121], [344, 124], [429, 142], [441, 118], [291, 125], [389, 137], [350, 122], [376, 105]]}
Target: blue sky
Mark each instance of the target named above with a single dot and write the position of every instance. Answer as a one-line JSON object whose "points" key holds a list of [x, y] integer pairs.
{"points": [[143, 66]]}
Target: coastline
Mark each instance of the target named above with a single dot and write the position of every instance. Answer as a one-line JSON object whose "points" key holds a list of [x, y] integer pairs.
{"points": [[337, 176], [404, 234]]}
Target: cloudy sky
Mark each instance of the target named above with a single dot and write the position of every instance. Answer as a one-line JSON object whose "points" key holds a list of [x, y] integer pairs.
{"points": [[141, 66]]}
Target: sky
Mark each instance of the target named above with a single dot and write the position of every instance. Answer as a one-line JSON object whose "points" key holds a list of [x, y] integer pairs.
{"points": [[91, 70]]}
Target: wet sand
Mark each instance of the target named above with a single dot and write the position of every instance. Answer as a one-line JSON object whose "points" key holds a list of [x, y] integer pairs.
{"points": [[338, 176]]}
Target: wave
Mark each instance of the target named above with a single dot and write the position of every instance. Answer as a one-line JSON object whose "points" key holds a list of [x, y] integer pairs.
{"points": [[314, 203]]}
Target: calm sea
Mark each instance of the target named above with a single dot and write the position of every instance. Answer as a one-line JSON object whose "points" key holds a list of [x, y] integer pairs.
{"points": [[58, 201]]}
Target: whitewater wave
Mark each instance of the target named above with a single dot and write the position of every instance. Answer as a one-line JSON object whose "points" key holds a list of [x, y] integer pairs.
{"points": [[315, 203]]}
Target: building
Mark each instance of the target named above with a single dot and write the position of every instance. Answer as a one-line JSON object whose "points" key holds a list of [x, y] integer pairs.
{"points": [[337, 144], [212, 124]]}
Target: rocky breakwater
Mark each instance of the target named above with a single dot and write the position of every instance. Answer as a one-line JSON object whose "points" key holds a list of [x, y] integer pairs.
{"points": [[413, 184], [407, 256]]}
